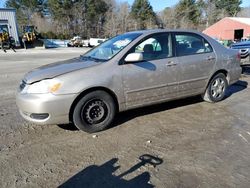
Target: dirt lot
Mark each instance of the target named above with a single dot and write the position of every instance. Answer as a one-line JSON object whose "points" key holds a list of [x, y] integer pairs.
{"points": [[191, 142]]}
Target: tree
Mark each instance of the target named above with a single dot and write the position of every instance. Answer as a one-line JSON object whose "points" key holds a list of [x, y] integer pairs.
{"points": [[95, 15], [231, 7], [143, 13], [62, 13], [245, 12], [85, 17], [168, 18], [214, 10], [118, 19], [188, 13], [25, 9]]}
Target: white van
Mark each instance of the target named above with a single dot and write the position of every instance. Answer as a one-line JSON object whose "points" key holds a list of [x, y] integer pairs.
{"points": [[95, 41]]}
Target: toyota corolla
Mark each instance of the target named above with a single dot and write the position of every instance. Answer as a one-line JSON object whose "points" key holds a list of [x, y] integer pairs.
{"points": [[128, 71]]}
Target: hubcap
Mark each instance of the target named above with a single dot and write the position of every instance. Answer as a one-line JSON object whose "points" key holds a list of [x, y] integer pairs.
{"points": [[218, 88], [94, 111]]}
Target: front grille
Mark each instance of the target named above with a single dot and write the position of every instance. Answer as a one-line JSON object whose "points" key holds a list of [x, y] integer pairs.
{"points": [[244, 53], [22, 85]]}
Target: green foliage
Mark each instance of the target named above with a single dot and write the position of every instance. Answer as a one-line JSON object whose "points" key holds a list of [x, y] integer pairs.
{"points": [[194, 13], [232, 7], [72, 15], [214, 10], [143, 13], [95, 9], [92, 9], [189, 11], [60, 9]]}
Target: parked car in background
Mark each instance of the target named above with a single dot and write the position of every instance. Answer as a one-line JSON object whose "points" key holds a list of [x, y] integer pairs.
{"points": [[131, 70], [245, 39], [95, 41], [243, 47], [77, 41]]}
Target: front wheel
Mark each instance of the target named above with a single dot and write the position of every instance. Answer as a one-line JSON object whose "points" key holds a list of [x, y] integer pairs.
{"points": [[216, 89], [94, 112]]}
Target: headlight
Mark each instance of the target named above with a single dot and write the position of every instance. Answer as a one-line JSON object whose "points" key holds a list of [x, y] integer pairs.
{"points": [[44, 86]]}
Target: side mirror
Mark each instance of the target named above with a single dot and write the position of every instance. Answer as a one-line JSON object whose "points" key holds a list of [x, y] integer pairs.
{"points": [[134, 57]]}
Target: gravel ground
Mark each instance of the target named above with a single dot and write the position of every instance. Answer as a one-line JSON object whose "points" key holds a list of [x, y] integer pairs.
{"points": [[190, 143]]}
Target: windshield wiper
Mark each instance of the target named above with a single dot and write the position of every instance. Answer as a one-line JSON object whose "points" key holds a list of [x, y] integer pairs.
{"points": [[92, 58]]}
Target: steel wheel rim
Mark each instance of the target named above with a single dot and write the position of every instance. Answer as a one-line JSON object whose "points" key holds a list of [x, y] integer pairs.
{"points": [[218, 88], [94, 111]]}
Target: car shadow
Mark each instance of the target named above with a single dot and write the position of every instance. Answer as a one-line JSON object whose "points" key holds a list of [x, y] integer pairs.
{"points": [[131, 114], [68, 127], [103, 176], [125, 116], [235, 88]]}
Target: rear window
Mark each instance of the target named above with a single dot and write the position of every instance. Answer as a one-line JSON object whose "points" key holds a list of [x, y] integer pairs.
{"points": [[191, 44]]}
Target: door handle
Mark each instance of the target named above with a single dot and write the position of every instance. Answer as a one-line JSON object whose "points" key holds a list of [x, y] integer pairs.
{"points": [[171, 63], [210, 58]]}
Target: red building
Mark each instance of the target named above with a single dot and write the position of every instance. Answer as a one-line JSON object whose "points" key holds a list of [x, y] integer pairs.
{"points": [[230, 28]]}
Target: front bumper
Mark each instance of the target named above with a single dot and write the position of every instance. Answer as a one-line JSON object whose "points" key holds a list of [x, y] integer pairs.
{"points": [[45, 108]]}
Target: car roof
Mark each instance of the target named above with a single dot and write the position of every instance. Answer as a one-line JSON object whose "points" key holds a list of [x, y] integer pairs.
{"points": [[151, 31]]}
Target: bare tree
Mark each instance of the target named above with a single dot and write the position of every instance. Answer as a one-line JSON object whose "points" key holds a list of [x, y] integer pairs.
{"points": [[118, 19], [168, 18], [245, 12]]}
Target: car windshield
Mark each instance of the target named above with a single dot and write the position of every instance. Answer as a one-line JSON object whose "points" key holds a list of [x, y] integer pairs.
{"points": [[110, 48]]}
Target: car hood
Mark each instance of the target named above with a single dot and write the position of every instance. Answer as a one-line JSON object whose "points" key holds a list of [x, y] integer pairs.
{"points": [[58, 68]]}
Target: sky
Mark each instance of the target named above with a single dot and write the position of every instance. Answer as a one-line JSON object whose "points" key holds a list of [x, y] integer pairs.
{"points": [[157, 5]]}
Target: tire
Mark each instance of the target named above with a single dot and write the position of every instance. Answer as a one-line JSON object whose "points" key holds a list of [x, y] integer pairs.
{"points": [[94, 112], [216, 88]]}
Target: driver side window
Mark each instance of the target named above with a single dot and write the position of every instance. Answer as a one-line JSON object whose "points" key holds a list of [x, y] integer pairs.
{"points": [[155, 47]]}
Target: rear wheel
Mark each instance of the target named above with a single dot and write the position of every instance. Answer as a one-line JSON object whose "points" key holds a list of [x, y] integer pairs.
{"points": [[216, 89], [94, 112]]}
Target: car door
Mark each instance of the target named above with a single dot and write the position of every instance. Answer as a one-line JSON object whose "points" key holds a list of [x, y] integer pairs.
{"points": [[196, 62], [153, 79]]}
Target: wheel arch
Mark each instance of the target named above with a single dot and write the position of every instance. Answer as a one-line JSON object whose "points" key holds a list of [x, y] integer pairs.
{"points": [[99, 88], [223, 71]]}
